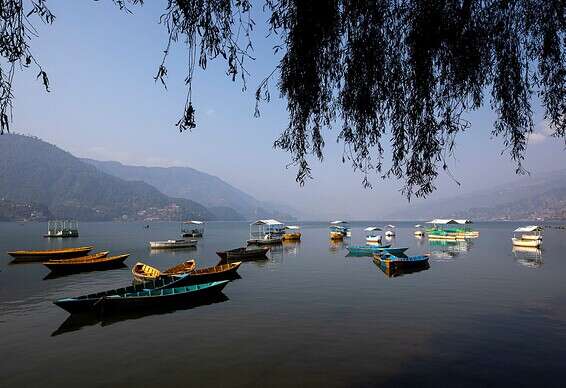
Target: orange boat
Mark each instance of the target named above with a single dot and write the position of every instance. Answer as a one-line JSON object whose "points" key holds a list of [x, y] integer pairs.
{"points": [[144, 272], [66, 253], [87, 263]]}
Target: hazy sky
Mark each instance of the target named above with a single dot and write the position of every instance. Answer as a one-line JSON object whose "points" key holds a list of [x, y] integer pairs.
{"points": [[105, 105]]}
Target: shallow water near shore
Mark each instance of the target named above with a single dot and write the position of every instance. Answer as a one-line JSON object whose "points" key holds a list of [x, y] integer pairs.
{"points": [[482, 314]]}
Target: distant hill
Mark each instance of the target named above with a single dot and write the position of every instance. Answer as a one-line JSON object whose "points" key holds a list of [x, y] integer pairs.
{"points": [[209, 190], [541, 196], [35, 172]]}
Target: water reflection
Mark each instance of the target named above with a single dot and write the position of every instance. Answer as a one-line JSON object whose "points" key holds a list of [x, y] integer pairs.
{"points": [[62, 274], [75, 322], [291, 247], [449, 249], [336, 245], [393, 272], [528, 256], [172, 252]]}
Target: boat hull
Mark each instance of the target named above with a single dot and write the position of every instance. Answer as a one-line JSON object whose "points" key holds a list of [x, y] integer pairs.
{"points": [[264, 241], [141, 299], [243, 254], [31, 256], [291, 237], [172, 244], [526, 243], [100, 263]]}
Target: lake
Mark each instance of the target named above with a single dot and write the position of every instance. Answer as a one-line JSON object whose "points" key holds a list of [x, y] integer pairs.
{"points": [[480, 315]]}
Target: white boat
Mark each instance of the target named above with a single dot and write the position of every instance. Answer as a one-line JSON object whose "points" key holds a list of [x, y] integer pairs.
{"points": [[531, 236], [266, 232], [373, 237], [172, 244], [390, 232], [192, 228]]}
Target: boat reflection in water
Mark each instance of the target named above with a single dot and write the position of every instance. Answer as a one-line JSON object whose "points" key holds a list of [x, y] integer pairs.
{"points": [[394, 271], [528, 256], [62, 274], [336, 245], [75, 322], [448, 249], [291, 247]]}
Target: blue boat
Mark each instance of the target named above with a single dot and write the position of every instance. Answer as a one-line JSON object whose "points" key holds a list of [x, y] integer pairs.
{"points": [[392, 261], [369, 250], [126, 299]]}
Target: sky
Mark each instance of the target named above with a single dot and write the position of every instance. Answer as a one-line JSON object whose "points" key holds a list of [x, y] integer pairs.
{"points": [[104, 104]]}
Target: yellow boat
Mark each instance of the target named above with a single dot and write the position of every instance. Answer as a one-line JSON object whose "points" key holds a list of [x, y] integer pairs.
{"points": [[144, 272], [292, 233], [336, 236]]}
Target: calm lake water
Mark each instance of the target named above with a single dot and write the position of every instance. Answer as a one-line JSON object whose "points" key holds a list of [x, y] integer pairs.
{"points": [[481, 315]]}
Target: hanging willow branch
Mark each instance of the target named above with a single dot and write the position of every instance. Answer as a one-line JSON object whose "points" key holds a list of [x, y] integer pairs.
{"points": [[396, 75]]}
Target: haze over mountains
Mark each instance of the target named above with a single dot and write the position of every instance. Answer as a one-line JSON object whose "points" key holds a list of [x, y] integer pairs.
{"points": [[208, 190], [541, 196]]}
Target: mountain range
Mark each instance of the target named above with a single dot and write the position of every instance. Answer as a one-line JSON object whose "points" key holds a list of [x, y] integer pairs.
{"points": [[536, 197], [221, 198]]}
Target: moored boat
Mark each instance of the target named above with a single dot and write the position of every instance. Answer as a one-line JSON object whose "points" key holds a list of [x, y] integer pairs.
{"points": [[143, 272], [217, 272], [129, 298], [391, 261], [173, 244], [43, 255], [292, 233], [244, 253], [369, 250], [86, 263], [530, 236], [192, 228]]}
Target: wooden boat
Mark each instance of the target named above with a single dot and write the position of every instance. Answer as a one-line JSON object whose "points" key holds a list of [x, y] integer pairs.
{"points": [[144, 272], [173, 244], [400, 271], [292, 233], [126, 298], [519, 242], [42, 255], [92, 262], [391, 261], [217, 272], [369, 250], [335, 235], [244, 253]]}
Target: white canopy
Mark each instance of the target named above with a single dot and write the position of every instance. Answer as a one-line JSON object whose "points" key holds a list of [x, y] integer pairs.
{"points": [[194, 222], [338, 222], [390, 226], [528, 229], [464, 222], [442, 221], [418, 226], [293, 227], [270, 222], [371, 228]]}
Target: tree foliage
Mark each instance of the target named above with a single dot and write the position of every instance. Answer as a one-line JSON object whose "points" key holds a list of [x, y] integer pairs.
{"points": [[398, 71]]}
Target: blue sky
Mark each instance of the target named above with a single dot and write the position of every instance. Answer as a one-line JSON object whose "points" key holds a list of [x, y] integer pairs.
{"points": [[105, 105]]}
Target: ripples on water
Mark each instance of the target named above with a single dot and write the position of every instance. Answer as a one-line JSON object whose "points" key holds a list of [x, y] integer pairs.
{"points": [[482, 313]]}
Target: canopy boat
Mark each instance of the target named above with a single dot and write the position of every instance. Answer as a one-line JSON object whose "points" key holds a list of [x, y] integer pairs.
{"points": [[87, 263], [131, 298], [244, 253], [144, 272], [266, 232], [43, 255], [62, 228], [192, 229], [390, 232], [343, 227], [391, 261], [173, 244], [371, 236], [419, 232], [292, 233], [530, 236], [442, 233], [217, 272]]}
